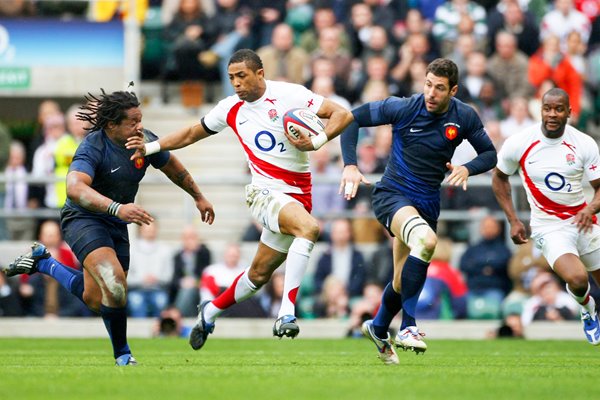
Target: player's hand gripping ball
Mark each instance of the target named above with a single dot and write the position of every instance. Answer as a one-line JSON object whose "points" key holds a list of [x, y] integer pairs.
{"points": [[301, 121]]}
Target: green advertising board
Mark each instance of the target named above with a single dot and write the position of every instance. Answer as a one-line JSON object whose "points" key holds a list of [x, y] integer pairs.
{"points": [[15, 77]]}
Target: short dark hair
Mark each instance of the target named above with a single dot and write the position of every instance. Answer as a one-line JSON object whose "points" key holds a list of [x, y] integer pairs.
{"points": [[445, 68], [101, 110], [558, 92], [247, 56]]}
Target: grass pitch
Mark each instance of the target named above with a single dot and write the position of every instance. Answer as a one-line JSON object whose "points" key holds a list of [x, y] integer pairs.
{"points": [[344, 369]]}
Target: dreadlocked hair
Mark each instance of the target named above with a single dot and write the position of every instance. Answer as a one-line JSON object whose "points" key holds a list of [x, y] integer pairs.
{"points": [[99, 111]]}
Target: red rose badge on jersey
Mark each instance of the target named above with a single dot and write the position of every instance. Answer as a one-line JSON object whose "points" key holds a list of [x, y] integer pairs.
{"points": [[273, 114], [139, 162], [451, 132], [570, 159]]}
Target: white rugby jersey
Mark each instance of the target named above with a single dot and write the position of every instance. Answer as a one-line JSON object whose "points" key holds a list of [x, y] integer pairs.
{"points": [[552, 171], [273, 161]]}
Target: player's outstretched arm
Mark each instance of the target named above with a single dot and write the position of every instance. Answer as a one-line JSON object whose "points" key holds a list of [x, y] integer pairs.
{"points": [[176, 140], [177, 173], [80, 191], [503, 192], [351, 176]]}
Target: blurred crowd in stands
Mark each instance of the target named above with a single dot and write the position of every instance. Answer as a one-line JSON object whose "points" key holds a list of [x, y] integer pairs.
{"points": [[509, 52], [487, 281]]}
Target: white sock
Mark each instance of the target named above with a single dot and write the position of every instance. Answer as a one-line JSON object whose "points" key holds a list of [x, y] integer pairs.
{"points": [[240, 290], [586, 301], [295, 266]]}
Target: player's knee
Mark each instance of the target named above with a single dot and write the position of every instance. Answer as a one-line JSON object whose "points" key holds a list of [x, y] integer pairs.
{"points": [[259, 277], [114, 286], [118, 293], [92, 301], [578, 282], [419, 236], [429, 244], [309, 230], [424, 249]]}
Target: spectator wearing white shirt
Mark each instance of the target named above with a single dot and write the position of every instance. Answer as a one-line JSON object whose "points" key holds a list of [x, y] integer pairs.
{"points": [[150, 273], [43, 158], [564, 19], [219, 276], [518, 117], [17, 195]]}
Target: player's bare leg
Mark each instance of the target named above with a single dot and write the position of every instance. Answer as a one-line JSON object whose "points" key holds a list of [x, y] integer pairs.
{"points": [[110, 281], [570, 268], [295, 221], [244, 286]]}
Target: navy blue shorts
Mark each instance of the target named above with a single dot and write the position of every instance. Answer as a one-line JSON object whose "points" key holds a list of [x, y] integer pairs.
{"points": [[387, 201], [85, 234]]}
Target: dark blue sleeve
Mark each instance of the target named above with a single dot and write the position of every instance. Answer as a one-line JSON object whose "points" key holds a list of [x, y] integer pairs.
{"points": [[393, 110], [486, 152], [348, 143], [160, 159], [86, 159]]}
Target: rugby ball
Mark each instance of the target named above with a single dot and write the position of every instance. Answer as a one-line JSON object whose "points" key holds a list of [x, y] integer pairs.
{"points": [[301, 121]]}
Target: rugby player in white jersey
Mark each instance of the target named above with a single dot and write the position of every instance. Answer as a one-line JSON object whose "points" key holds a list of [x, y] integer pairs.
{"points": [[279, 196], [553, 159]]}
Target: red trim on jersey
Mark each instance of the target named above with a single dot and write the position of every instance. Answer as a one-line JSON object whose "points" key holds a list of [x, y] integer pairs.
{"points": [[301, 180], [227, 298], [304, 198], [544, 203]]}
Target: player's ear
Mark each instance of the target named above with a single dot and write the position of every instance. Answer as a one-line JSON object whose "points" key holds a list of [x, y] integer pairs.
{"points": [[454, 90]]}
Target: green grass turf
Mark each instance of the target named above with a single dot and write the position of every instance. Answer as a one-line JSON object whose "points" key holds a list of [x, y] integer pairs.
{"points": [[262, 369]]}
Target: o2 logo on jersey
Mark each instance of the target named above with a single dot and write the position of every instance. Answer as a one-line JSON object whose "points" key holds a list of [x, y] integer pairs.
{"points": [[556, 182], [265, 141]]}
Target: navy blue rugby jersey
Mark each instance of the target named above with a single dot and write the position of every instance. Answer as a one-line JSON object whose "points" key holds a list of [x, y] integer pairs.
{"points": [[422, 142], [113, 174]]}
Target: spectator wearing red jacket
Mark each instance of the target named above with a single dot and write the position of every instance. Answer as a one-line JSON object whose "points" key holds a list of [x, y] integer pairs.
{"points": [[445, 289], [549, 63]]}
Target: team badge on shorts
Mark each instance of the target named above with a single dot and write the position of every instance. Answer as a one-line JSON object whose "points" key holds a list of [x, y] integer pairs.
{"points": [[139, 162], [273, 114], [570, 159]]}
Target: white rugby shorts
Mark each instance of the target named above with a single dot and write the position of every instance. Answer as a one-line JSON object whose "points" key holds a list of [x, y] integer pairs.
{"points": [[265, 205], [555, 243]]}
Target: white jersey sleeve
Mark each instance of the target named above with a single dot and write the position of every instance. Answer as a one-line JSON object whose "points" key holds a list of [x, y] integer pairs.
{"points": [[216, 119], [591, 159], [510, 154]]}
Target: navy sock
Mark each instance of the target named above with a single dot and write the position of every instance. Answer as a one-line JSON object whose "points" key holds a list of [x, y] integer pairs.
{"points": [[391, 303], [115, 320], [69, 278], [413, 278]]}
